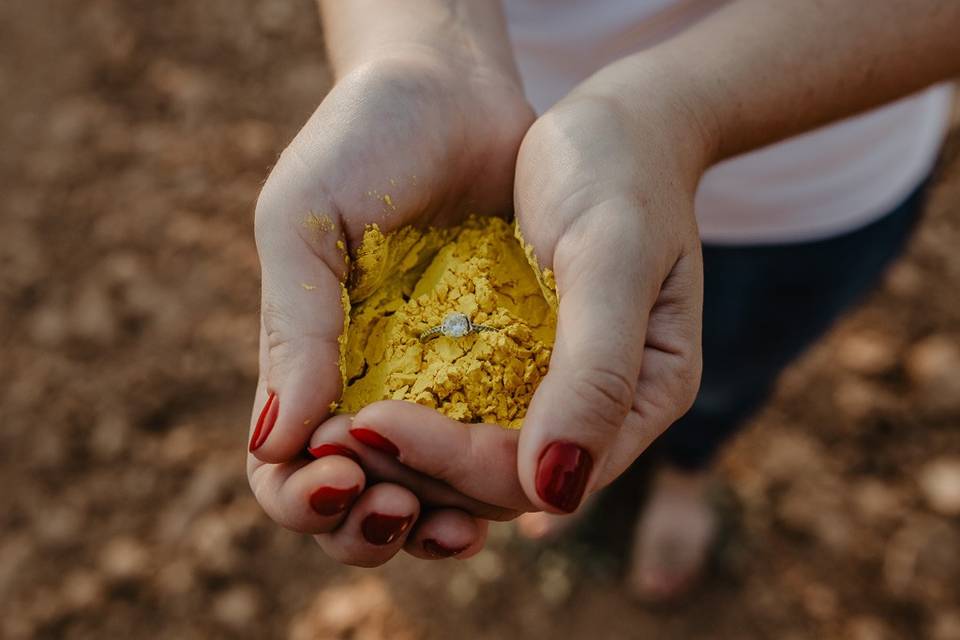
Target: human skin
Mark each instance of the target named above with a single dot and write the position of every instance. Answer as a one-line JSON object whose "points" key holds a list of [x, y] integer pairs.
{"points": [[431, 114], [606, 182], [604, 192]]}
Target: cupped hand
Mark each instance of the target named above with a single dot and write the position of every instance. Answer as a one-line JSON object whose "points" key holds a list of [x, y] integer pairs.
{"points": [[407, 140], [604, 195]]}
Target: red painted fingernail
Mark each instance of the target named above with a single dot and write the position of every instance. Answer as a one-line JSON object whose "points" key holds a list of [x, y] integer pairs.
{"points": [[373, 439], [438, 550], [562, 475], [333, 449], [380, 529], [268, 417], [329, 501]]}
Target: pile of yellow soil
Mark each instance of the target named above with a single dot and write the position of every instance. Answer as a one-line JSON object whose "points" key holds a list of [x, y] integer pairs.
{"points": [[405, 283]]}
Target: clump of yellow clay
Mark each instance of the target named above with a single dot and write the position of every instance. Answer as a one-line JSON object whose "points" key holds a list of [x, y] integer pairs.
{"points": [[545, 278], [407, 282]]}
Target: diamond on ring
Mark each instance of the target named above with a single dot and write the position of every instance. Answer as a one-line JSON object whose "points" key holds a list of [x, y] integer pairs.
{"points": [[454, 325]]}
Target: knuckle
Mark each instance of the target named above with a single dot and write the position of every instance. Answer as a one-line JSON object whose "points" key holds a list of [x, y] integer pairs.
{"points": [[276, 319], [688, 382], [286, 336], [279, 330], [605, 394], [447, 470], [276, 512], [675, 392], [286, 184]]}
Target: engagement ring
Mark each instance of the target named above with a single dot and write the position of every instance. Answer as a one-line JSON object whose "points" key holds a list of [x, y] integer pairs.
{"points": [[455, 325]]}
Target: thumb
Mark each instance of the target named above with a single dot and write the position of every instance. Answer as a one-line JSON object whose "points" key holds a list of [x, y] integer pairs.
{"points": [[605, 295], [303, 263]]}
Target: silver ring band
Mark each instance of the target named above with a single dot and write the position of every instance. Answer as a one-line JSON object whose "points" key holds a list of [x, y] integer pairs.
{"points": [[454, 325]]}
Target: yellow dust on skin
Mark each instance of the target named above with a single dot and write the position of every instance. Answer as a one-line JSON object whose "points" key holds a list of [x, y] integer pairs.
{"points": [[342, 338], [408, 281], [342, 248], [320, 222]]}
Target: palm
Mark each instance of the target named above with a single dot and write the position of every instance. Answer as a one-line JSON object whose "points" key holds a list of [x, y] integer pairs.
{"points": [[396, 148], [391, 146], [592, 199]]}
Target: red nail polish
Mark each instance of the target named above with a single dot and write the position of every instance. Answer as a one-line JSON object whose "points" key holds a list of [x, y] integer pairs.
{"points": [[329, 501], [562, 475], [373, 439], [380, 529], [438, 550], [268, 417], [333, 449]]}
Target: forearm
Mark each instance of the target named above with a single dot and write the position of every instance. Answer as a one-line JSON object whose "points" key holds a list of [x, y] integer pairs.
{"points": [[469, 33], [758, 71]]}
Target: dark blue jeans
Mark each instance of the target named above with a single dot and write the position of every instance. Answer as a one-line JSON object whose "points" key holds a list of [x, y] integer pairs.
{"points": [[763, 305]]}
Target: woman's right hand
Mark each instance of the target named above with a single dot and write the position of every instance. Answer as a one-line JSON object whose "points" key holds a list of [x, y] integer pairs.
{"points": [[411, 139]]}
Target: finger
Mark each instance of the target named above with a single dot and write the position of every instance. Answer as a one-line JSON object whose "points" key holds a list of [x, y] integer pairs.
{"points": [[302, 254], [333, 438], [307, 497], [375, 529], [672, 361], [479, 460], [446, 533], [605, 295]]}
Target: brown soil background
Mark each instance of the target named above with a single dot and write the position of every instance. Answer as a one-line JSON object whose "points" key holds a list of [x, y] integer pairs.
{"points": [[135, 137]]}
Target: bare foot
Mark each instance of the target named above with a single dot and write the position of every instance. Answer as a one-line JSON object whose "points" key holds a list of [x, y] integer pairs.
{"points": [[545, 526], [673, 537]]}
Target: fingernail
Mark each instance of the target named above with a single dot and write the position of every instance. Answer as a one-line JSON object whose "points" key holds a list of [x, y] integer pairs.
{"points": [[268, 417], [333, 449], [329, 501], [373, 439], [380, 529], [562, 475], [438, 550]]}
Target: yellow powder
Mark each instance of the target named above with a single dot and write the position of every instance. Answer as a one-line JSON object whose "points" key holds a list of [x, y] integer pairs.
{"points": [[320, 223], [342, 338], [406, 282], [548, 284]]}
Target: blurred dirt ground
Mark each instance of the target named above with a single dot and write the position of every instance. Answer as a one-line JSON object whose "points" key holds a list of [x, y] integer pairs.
{"points": [[135, 137]]}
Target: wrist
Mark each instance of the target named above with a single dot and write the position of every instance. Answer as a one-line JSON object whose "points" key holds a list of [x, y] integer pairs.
{"points": [[664, 111], [435, 59], [469, 36]]}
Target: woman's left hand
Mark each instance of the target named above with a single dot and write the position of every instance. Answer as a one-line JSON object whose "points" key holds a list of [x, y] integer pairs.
{"points": [[604, 194]]}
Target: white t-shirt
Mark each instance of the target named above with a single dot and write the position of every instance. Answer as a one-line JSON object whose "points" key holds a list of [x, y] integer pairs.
{"points": [[816, 185]]}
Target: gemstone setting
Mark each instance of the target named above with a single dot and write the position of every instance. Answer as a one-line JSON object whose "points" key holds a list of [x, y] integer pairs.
{"points": [[456, 325]]}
